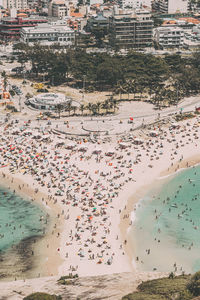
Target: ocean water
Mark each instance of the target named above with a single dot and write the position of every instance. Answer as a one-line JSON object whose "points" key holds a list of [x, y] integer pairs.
{"points": [[166, 229], [22, 223]]}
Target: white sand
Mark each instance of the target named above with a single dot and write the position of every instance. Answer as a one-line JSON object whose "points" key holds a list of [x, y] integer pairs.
{"points": [[94, 190]]}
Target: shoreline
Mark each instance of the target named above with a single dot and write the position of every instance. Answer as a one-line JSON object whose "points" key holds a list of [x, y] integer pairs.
{"points": [[134, 200], [45, 261], [89, 193]]}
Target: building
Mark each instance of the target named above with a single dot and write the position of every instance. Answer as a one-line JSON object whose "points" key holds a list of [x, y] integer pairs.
{"points": [[171, 6], [48, 101], [10, 27], [18, 4], [135, 3], [169, 37], [48, 34], [58, 8], [131, 30], [98, 21]]}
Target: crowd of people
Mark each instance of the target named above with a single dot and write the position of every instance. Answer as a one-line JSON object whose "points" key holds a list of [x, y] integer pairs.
{"points": [[91, 180]]}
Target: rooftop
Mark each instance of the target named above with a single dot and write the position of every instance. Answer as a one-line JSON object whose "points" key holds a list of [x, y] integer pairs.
{"points": [[47, 28]]}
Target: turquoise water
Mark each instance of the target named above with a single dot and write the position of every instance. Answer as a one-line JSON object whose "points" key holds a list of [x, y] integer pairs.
{"points": [[19, 219], [168, 223], [22, 223]]}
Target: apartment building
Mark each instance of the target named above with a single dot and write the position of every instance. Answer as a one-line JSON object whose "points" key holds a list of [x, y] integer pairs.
{"points": [[48, 34], [135, 3], [10, 27], [171, 6], [58, 8], [131, 29], [169, 37], [18, 4]]}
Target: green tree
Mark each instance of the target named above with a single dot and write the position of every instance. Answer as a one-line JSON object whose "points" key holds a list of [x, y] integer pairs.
{"points": [[69, 107], [74, 108], [89, 107], [98, 106], [82, 108], [59, 107], [99, 34]]}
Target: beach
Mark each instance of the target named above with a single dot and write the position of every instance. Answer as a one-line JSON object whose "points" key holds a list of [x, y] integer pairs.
{"points": [[91, 186]]}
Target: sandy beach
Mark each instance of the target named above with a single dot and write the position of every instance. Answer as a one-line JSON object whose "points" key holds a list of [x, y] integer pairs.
{"points": [[45, 257], [91, 186]]}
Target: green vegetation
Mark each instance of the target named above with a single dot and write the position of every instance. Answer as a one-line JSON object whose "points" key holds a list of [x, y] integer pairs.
{"points": [[137, 76], [194, 284], [68, 279], [42, 296], [182, 287], [143, 296]]}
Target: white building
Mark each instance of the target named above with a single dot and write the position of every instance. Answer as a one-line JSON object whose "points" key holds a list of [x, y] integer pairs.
{"points": [[135, 3], [47, 34], [18, 4], [48, 101], [172, 6], [96, 2], [169, 37]]}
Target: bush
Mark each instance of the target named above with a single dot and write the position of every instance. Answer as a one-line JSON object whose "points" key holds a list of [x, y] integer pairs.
{"points": [[42, 91], [42, 296], [12, 93], [162, 289], [185, 295], [165, 286], [143, 296], [67, 280], [194, 284]]}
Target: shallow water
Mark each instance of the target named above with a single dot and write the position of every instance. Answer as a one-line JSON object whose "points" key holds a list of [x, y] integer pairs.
{"points": [[22, 223], [167, 222]]}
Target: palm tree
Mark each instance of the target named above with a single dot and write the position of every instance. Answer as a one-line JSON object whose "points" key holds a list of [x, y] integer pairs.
{"points": [[94, 109], [82, 108], [74, 108], [59, 108], [98, 106], [119, 90], [106, 105], [89, 107], [69, 107], [114, 102]]}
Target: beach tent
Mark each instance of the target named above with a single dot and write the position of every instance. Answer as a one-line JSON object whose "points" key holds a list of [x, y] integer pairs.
{"points": [[153, 133], [70, 145], [138, 141], [175, 125], [97, 151], [82, 148], [110, 152], [123, 145]]}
